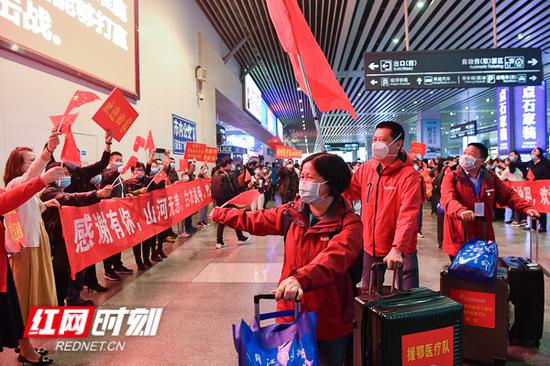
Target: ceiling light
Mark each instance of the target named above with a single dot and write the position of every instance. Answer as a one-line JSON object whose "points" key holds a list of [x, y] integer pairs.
{"points": [[14, 47], [395, 40], [301, 101], [520, 36], [415, 102], [304, 128], [299, 89], [477, 117], [451, 114], [467, 108], [492, 112], [431, 91], [301, 109], [420, 4], [403, 110], [358, 94], [488, 100]]}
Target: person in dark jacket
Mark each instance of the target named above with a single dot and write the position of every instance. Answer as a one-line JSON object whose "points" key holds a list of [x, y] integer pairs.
{"points": [[293, 182], [229, 187], [537, 169], [323, 239], [515, 161], [52, 221]]}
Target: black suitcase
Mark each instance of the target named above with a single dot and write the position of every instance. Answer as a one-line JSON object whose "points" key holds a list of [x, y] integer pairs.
{"points": [[526, 280], [395, 327]]}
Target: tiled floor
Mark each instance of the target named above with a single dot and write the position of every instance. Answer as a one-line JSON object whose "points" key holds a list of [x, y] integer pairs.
{"points": [[203, 291]]}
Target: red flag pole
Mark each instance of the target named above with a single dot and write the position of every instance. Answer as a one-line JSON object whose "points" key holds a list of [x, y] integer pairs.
{"points": [[312, 105]]}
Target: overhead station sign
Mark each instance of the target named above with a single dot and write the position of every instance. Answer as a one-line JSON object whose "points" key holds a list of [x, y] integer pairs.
{"points": [[453, 68], [347, 146], [463, 129]]}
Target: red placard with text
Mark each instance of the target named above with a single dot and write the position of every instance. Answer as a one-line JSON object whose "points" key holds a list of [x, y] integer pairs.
{"points": [[210, 154], [283, 152], [418, 148], [116, 114], [297, 154], [479, 307], [194, 151], [432, 347]]}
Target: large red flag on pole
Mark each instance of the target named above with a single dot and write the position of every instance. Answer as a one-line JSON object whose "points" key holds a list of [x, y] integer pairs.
{"points": [[311, 68]]}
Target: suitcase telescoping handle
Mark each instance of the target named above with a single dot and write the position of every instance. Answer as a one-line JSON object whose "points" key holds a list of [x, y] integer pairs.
{"points": [[377, 274], [465, 227], [534, 242], [278, 314]]}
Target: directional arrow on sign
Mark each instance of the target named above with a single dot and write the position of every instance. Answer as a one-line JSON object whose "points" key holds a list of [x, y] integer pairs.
{"points": [[373, 66], [532, 62], [419, 80], [373, 82], [533, 78]]}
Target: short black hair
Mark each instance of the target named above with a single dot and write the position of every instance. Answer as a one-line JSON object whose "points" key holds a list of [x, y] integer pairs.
{"points": [[115, 153], [139, 165], [397, 131], [225, 162], [540, 150], [333, 169], [482, 149]]}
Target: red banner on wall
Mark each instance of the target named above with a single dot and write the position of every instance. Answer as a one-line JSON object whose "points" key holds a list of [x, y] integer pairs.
{"points": [[96, 232], [537, 193]]}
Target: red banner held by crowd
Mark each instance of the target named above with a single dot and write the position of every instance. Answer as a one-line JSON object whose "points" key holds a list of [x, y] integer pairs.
{"points": [[537, 193], [194, 151], [283, 152], [297, 154], [418, 148], [210, 154], [93, 233], [116, 114]]}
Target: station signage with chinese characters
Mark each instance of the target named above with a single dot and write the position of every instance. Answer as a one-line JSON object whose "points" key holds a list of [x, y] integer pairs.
{"points": [[183, 131], [453, 68], [503, 120], [348, 146], [463, 129]]}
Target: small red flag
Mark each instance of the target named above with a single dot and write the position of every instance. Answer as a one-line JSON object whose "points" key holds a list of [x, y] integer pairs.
{"points": [[70, 153], [79, 98], [184, 165], [160, 177], [130, 163], [244, 199], [139, 142], [274, 142], [67, 120], [150, 145]]}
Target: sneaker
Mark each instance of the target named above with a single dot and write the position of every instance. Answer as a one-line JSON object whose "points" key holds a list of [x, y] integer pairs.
{"points": [[123, 270], [191, 230], [162, 254], [220, 245], [185, 235], [156, 258], [147, 263], [80, 302], [111, 276], [244, 240], [509, 222], [515, 224]]}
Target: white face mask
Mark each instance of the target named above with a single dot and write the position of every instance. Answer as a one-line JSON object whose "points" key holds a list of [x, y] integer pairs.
{"points": [[380, 150], [309, 191], [467, 162]]}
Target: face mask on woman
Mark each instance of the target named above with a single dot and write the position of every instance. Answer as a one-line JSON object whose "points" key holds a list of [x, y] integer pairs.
{"points": [[96, 181], [155, 170], [309, 191], [64, 182], [380, 150]]}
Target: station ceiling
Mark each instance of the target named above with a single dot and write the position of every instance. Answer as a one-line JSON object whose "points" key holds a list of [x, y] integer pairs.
{"points": [[346, 29]]}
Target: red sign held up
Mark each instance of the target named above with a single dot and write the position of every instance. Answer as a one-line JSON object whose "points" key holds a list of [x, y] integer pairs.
{"points": [[297, 154], [210, 154], [418, 148], [194, 150], [283, 152], [116, 114]]}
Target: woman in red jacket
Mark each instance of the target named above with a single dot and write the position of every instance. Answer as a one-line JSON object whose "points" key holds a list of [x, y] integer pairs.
{"points": [[323, 239], [11, 320]]}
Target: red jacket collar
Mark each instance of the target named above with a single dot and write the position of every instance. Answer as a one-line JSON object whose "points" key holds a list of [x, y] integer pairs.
{"points": [[298, 211], [396, 166]]}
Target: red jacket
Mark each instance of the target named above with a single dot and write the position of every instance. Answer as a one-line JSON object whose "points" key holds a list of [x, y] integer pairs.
{"points": [[318, 256], [458, 195], [390, 202], [9, 201]]}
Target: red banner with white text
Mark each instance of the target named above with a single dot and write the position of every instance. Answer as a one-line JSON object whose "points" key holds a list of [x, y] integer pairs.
{"points": [[93, 233], [537, 193]]}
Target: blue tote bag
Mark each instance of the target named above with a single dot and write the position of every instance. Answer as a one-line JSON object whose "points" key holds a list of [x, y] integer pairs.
{"points": [[476, 261]]}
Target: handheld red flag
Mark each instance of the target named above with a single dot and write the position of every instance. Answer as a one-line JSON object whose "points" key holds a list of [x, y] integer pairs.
{"points": [[116, 114], [139, 142], [184, 165], [129, 164], [298, 41], [274, 142], [70, 153], [161, 175], [79, 98], [150, 145], [65, 120], [244, 199]]}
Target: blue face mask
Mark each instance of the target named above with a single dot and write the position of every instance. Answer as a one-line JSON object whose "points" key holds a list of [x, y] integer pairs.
{"points": [[173, 165], [140, 174], [154, 170], [118, 165], [64, 182], [96, 181]]}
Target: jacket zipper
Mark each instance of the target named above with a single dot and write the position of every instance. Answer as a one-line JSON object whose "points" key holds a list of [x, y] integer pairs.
{"points": [[375, 212]]}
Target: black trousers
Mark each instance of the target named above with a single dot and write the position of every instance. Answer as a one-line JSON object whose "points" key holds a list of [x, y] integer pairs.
{"points": [[142, 252], [219, 233]]}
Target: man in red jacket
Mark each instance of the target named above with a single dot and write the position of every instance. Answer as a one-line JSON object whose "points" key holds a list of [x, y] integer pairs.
{"points": [[470, 192], [390, 190]]}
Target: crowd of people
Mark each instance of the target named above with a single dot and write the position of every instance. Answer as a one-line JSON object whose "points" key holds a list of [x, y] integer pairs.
{"points": [[337, 220]]}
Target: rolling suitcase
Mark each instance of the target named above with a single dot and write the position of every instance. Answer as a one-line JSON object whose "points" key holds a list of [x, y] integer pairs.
{"points": [[485, 323], [526, 280], [395, 327]]}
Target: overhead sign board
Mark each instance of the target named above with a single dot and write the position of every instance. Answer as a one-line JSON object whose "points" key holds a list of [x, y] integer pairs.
{"points": [[348, 146], [453, 68], [463, 129]]}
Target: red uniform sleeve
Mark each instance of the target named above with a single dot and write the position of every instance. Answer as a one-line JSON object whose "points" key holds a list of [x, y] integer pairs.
{"points": [[339, 255], [15, 197], [262, 222], [449, 200], [353, 193], [407, 221], [506, 196]]}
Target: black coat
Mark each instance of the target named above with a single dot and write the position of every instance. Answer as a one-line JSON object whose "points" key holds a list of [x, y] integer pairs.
{"points": [[541, 170], [80, 177]]}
